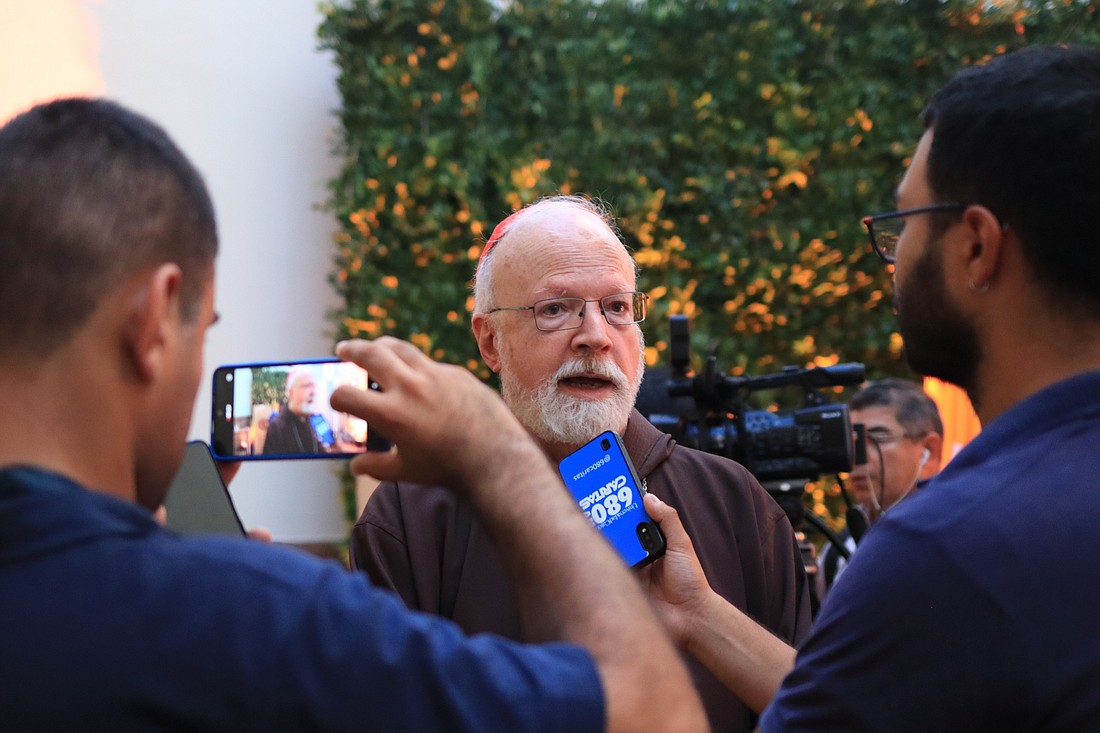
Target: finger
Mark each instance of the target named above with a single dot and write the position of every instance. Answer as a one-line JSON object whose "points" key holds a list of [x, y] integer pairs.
{"points": [[380, 356], [668, 518], [354, 401], [658, 510], [395, 365], [405, 350], [384, 466]]}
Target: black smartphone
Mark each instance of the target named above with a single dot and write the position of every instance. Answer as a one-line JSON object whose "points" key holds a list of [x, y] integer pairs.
{"points": [[281, 410], [198, 502], [603, 480]]}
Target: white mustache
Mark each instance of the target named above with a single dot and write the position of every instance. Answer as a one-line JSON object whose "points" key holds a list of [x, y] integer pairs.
{"points": [[591, 367]]}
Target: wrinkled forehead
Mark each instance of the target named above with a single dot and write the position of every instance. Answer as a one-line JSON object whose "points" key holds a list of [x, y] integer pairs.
{"points": [[561, 247]]}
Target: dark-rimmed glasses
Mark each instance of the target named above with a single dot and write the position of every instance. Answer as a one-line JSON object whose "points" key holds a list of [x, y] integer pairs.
{"points": [[564, 314], [882, 436], [885, 229]]}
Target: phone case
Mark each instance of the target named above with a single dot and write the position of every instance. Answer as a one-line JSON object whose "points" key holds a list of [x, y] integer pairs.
{"points": [[198, 502], [604, 483]]}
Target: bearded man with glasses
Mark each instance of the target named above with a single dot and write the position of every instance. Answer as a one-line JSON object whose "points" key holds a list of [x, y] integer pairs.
{"points": [[556, 316], [972, 605]]}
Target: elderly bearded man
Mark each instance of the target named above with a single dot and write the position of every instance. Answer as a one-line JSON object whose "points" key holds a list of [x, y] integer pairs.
{"points": [[567, 379]]}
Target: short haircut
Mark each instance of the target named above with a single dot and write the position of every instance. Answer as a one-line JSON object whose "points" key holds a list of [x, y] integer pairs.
{"points": [[483, 277], [90, 194], [915, 411], [1019, 135]]}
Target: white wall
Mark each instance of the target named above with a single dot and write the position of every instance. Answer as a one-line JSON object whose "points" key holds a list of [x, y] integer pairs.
{"points": [[241, 87]]}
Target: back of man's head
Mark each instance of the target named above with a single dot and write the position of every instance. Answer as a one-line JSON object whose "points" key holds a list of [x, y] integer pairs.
{"points": [[915, 411], [91, 193], [1019, 135]]}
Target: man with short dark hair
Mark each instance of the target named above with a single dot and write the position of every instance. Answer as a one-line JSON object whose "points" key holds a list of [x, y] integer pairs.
{"points": [[109, 622], [972, 605]]}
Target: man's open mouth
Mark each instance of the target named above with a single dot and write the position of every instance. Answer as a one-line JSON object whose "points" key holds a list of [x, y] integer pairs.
{"points": [[587, 382]]}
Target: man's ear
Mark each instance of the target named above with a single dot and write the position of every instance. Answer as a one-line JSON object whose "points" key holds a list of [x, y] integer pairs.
{"points": [[933, 443], [153, 320], [985, 251], [486, 338]]}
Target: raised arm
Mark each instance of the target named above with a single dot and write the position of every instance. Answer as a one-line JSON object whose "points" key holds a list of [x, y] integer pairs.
{"points": [[450, 429], [745, 656]]}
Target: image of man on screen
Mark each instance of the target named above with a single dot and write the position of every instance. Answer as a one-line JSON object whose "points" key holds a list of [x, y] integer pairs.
{"points": [[291, 430]]}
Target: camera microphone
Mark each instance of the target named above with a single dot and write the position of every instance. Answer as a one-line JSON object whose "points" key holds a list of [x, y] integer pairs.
{"points": [[857, 523], [854, 517], [679, 344], [859, 451]]}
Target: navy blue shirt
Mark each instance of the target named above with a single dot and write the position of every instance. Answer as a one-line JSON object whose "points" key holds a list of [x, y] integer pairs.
{"points": [[973, 604], [109, 622]]}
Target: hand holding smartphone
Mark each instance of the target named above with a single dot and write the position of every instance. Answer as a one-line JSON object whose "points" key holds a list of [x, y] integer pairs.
{"points": [[276, 410], [603, 480]]}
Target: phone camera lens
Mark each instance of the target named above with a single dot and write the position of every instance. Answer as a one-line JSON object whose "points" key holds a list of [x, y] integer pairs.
{"points": [[605, 444]]}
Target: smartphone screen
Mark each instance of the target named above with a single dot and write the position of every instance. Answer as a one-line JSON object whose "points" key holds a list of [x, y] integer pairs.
{"points": [[281, 410], [602, 479], [198, 502]]}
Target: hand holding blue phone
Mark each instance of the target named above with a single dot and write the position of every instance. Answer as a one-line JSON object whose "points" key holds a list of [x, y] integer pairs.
{"points": [[602, 479]]}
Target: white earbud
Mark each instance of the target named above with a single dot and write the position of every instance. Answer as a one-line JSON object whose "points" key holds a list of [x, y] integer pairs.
{"points": [[924, 456]]}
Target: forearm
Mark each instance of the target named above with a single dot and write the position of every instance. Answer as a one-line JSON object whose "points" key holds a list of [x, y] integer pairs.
{"points": [[449, 428], [572, 585], [745, 656]]}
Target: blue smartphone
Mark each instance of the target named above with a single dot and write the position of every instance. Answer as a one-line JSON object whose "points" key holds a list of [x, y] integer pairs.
{"points": [[603, 480], [278, 410], [323, 430]]}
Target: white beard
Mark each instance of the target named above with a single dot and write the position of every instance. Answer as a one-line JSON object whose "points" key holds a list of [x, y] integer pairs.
{"points": [[301, 408], [562, 419]]}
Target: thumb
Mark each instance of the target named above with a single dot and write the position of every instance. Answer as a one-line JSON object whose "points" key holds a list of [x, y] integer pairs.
{"points": [[668, 519]]}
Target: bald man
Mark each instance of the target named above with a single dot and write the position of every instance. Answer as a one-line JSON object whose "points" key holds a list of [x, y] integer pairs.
{"points": [[556, 316]]}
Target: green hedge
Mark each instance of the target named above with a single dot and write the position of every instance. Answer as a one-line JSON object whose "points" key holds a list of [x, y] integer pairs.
{"points": [[739, 143]]}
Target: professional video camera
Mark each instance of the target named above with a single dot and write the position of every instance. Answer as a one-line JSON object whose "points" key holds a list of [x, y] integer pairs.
{"points": [[784, 449], [710, 412]]}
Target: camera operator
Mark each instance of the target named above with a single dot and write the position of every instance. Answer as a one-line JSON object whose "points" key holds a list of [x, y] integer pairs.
{"points": [[903, 436]]}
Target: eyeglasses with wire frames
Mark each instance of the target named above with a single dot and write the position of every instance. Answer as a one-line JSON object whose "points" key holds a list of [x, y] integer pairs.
{"points": [[882, 436], [564, 314], [885, 229]]}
